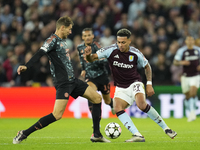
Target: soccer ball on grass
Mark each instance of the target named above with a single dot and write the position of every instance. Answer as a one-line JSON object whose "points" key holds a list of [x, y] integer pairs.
{"points": [[113, 130]]}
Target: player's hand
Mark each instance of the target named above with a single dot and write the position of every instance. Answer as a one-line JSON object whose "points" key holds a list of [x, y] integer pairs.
{"points": [[21, 69], [88, 50], [185, 63], [149, 90]]}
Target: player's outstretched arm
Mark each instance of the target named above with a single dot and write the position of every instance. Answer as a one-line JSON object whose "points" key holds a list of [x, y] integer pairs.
{"points": [[21, 68], [148, 73], [183, 62], [89, 56]]}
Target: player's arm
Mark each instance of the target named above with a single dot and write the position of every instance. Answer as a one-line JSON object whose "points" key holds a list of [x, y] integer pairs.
{"points": [[89, 56], [30, 63], [148, 73], [182, 62]]}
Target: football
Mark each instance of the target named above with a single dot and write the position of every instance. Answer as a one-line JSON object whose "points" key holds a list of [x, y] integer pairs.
{"points": [[113, 130]]}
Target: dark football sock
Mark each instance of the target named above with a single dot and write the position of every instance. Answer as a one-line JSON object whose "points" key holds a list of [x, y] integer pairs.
{"points": [[43, 122], [111, 103], [96, 116], [90, 106]]}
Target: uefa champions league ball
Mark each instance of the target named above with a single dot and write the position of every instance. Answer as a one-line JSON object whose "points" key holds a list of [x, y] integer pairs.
{"points": [[113, 130]]}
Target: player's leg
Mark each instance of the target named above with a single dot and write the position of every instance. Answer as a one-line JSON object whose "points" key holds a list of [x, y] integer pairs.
{"points": [[109, 101], [121, 101], [95, 88], [95, 98], [185, 89], [192, 103], [58, 111], [119, 107], [153, 114]]}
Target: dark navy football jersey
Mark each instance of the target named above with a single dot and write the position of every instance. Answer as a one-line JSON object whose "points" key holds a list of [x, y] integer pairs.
{"points": [[93, 69], [123, 64], [60, 63]]}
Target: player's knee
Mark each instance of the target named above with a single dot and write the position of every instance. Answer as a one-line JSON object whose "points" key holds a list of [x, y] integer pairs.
{"points": [[97, 99], [106, 102], [142, 106]]}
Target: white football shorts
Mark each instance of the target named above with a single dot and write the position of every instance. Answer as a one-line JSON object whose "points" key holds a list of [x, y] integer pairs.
{"points": [[187, 82], [128, 94]]}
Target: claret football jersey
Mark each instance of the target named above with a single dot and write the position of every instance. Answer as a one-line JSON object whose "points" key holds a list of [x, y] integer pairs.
{"points": [[191, 55], [123, 64]]}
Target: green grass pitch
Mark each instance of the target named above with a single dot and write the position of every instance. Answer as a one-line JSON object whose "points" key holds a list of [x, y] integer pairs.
{"points": [[74, 134]]}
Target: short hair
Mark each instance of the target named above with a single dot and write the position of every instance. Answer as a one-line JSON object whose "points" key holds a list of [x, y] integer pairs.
{"points": [[124, 32], [87, 29], [65, 21]]}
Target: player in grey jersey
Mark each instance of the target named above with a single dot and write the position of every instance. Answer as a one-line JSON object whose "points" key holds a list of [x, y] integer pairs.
{"points": [[95, 73], [188, 56], [66, 84], [124, 60]]}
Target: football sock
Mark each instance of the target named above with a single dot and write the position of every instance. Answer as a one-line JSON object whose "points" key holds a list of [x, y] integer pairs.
{"points": [[42, 122], [90, 106], [111, 103], [152, 113], [127, 122], [96, 117], [191, 104], [195, 101], [186, 103]]}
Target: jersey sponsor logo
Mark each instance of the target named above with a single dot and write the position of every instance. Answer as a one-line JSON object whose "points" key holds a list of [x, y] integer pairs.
{"points": [[116, 56], [191, 58], [122, 65], [131, 57]]}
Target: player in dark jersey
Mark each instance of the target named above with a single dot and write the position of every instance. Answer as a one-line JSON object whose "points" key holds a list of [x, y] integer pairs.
{"points": [[124, 60], [188, 56], [65, 82], [94, 73]]}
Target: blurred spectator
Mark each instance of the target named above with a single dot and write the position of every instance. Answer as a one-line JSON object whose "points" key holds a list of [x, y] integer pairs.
{"points": [[15, 77], [49, 14], [33, 22], [4, 47], [194, 25], [161, 72], [116, 7], [3, 78], [122, 23], [135, 9], [42, 71], [27, 77], [107, 39], [19, 4], [6, 17], [99, 27], [8, 67]]}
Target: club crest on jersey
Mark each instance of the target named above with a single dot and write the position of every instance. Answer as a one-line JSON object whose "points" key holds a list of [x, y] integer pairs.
{"points": [[131, 57]]}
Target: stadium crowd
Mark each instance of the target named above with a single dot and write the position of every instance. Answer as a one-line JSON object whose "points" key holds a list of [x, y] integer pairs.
{"points": [[159, 28]]}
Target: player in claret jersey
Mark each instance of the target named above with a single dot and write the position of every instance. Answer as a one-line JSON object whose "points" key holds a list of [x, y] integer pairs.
{"points": [[124, 60], [188, 56]]}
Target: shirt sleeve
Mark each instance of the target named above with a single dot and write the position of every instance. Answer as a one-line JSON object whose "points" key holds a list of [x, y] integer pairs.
{"points": [[35, 58], [179, 55], [82, 61], [105, 52], [142, 61]]}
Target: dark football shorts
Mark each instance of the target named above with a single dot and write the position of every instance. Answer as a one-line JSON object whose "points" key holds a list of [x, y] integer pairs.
{"points": [[74, 89], [102, 83]]}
